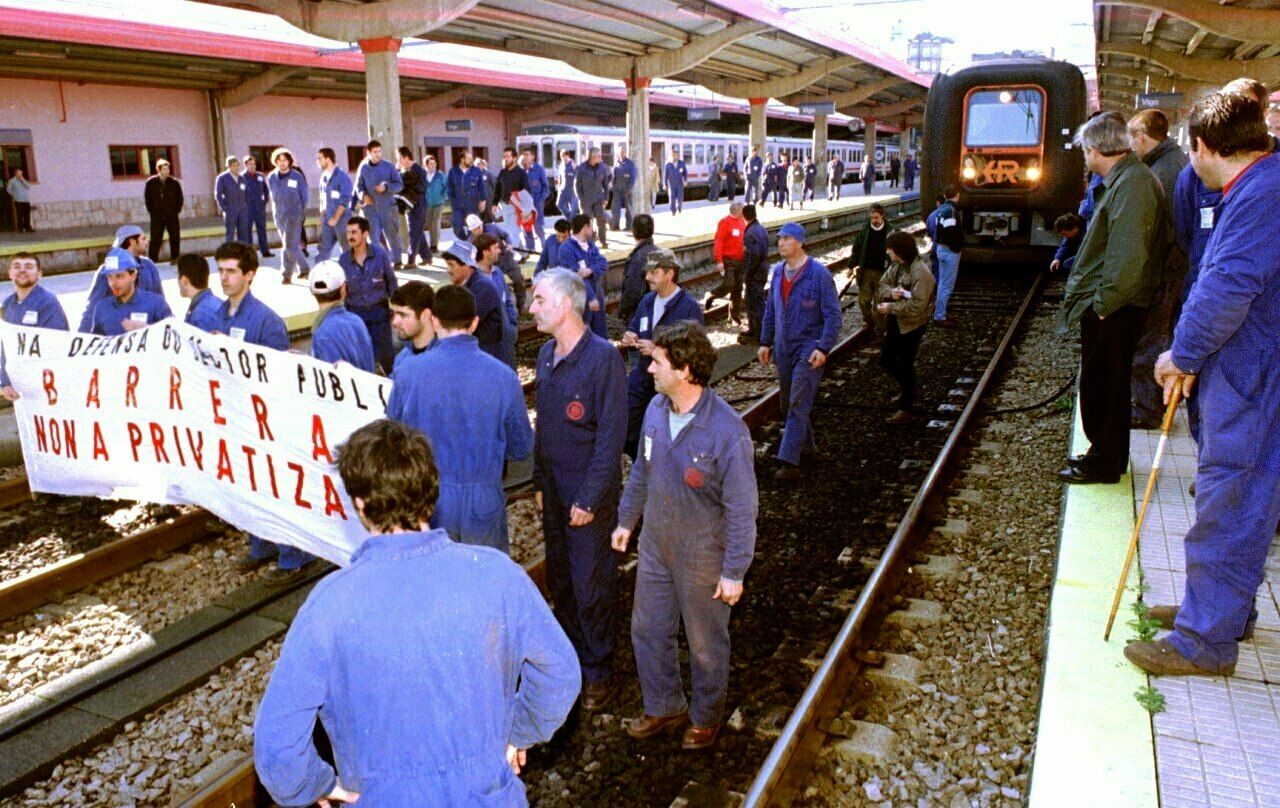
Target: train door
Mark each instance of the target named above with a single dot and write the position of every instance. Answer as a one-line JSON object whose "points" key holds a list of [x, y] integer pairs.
{"points": [[12, 156], [547, 154]]}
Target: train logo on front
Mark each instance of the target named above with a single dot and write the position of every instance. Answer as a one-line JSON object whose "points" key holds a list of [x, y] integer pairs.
{"points": [[998, 171]]}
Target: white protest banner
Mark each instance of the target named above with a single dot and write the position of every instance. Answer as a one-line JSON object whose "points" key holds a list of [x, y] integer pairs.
{"points": [[172, 414]]}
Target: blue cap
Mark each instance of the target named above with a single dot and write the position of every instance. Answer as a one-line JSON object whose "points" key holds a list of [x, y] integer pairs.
{"points": [[795, 231], [119, 260], [462, 251]]}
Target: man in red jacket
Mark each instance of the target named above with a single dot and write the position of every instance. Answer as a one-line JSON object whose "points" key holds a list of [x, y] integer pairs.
{"points": [[729, 255]]}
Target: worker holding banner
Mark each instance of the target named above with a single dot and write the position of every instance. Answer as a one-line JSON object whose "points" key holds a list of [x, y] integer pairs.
{"points": [[30, 304]]}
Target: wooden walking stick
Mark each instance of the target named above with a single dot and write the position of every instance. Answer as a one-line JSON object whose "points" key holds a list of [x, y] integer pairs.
{"points": [[1165, 426]]}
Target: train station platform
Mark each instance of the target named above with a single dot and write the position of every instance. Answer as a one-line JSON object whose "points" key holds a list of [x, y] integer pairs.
{"points": [[1216, 740], [695, 224]]}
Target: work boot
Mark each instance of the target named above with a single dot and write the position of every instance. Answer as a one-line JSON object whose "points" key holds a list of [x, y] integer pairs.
{"points": [[899, 418], [786, 472], [1161, 658], [247, 563], [696, 737], [1167, 615], [596, 695], [646, 726], [279, 577]]}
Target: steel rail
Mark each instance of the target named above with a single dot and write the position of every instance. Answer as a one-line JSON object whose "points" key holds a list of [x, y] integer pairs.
{"points": [[792, 755]]}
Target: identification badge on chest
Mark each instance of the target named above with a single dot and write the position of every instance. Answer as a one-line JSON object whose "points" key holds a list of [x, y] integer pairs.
{"points": [[293, 183], [1206, 218], [138, 317], [242, 186], [644, 323], [648, 448], [237, 333], [334, 195], [30, 317]]}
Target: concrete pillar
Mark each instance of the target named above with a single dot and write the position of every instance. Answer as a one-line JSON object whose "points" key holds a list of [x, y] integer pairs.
{"points": [[869, 141], [638, 141], [219, 137], [382, 91], [758, 126], [820, 153]]}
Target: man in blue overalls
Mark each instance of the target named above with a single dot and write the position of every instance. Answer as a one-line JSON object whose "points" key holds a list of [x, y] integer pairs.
{"points": [[335, 202], [568, 180], [539, 188], [801, 323], [674, 176], [377, 183], [256, 196], [625, 176], [1224, 352], [580, 254], [755, 168], [130, 242], [193, 284], [337, 335], [229, 192], [471, 407], [370, 282], [128, 306], [582, 420], [694, 481], [30, 304]]}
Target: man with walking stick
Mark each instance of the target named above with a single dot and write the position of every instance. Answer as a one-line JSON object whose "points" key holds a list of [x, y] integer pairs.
{"points": [[1224, 352]]}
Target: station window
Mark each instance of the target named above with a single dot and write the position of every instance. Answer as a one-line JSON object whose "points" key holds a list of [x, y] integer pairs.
{"points": [[688, 153], [699, 155], [16, 156], [131, 162], [548, 154], [262, 157]]}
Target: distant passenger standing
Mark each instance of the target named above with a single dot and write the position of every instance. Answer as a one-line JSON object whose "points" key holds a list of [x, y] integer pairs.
{"points": [[655, 184], [20, 192], [436, 191], [580, 254], [868, 255], [625, 177], [767, 181], [801, 323], [289, 209], [370, 282], [755, 272], [413, 178], [895, 167], [755, 169], [567, 177], [674, 175], [511, 180], [835, 178], [795, 177], [420, 650], [203, 305], [731, 177], [337, 335], [949, 243], [633, 283], [163, 195], [377, 184], [694, 483], [472, 409], [810, 179], [411, 320], [335, 202], [867, 173], [539, 188], [781, 176], [581, 402], [909, 170], [229, 193], [29, 305], [454, 186], [256, 196], [907, 294], [593, 183], [713, 180]]}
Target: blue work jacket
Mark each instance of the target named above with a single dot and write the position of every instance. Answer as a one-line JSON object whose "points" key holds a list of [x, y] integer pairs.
{"points": [[1088, 203], [571, 255], [592, 183], [454, 186], [568, 177], [624, 175], [1067, 249], [506, 302], [289, 193], [203, 311], [254, 322], [256, 192], [634, 286], [144, 307], [809, 319], [436, 189], [475, 189], [370, 175], [755, 246], [675, 175], [755, 165], [1195, 210], [336, 192], [369, 286], [229, 192], [550, 255], [41, 309], [697, 493], [409, 351], [148, 280], [340, 336], [489, 311], [581, 403], [423, 660], [536, 183], [680, 307]]}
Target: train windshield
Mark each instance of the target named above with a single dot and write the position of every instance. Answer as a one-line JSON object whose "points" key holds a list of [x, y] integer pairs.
{"points": [[1008, 117]]}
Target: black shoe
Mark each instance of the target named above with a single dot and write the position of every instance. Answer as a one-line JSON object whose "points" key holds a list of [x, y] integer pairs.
{"points": [[286, 279], [1079, 476], [1076, 461], [278, 577], [787, 472], [1142, 423], [268, 254], [708, 301]]}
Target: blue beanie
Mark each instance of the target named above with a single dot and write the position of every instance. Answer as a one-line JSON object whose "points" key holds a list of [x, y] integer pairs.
{"points": [[794, 230]]}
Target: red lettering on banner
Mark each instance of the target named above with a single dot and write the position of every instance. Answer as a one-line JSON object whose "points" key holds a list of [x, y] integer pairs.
{"points": [[56, 437], [271, 474], [297, 494], [99, 443], [91, 398], [249, 452], [131, 387], [49, 389], [177, 445], [196, 447], [217, 402], [135, 439], [157, 443], [175, 385], [260, 412], [333, 500], [224, 462], [42, 439], [319, 444]]}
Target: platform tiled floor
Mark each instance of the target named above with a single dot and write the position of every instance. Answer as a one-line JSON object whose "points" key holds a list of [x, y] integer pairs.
{"points": [[1218, 739]]}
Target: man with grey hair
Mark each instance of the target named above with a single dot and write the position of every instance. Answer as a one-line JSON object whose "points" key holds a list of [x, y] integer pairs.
{"points": [[1113, 281], [593, 181], [581, 402]]}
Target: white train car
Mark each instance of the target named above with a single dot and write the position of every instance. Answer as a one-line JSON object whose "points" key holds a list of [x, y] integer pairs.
{"points": [[699, 149]]}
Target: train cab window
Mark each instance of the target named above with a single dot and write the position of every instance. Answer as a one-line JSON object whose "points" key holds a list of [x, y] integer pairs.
{"points": [[1004, 117], [548, 159]]}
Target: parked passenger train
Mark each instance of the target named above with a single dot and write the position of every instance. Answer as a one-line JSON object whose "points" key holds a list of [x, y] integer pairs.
{"points": [[1002, 132], [698, 149]]}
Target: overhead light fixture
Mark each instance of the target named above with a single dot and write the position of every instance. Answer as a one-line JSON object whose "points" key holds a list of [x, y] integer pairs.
{"points": [[322, 79]]}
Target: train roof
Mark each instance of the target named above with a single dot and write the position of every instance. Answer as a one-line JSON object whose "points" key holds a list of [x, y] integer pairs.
{"points": [[654, 134]]}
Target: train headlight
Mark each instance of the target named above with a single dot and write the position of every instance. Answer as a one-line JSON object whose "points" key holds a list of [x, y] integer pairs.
{"points": [[1006, 97], [969, 172], [1033, 173]]}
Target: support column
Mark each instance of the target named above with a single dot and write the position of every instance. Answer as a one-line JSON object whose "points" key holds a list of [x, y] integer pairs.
{"points": [[820, 153], [638, 141], [758, 126], [218, 132], [382, 91], [869, 142]]}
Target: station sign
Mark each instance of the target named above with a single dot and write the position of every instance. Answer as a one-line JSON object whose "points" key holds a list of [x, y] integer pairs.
{"points": [[1159, 100], [818, 108], [458, 125], [704, 113]]}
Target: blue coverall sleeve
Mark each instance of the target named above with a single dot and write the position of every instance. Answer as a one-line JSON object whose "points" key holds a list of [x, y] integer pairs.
{"points": [[324, 347], [396, 403], [550, 677], [304, 194], [611, 434], [362, 188], [57, 317], [832, 318], [163, 312], [766, 321], [1184, 209], [275, 334], [283, 751], [1244, 265], [395, 182], [220, 193], [97, 292], [1060, 254], [740, 505], [631, 508], [389, 277], [519, 432]]}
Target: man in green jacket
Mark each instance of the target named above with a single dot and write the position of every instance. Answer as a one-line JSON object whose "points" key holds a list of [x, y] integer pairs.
{"points": [[1114, 279]]}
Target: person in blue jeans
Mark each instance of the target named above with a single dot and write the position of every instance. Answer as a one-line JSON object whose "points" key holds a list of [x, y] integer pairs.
{"points": [[949, 242]]}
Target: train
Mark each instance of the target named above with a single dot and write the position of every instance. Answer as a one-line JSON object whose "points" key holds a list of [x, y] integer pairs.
{"points": [[1002, 132], [698, 149]]}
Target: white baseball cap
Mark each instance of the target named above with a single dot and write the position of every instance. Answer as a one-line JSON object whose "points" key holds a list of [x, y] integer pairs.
{"points": [[326, 277], [474, 221]]}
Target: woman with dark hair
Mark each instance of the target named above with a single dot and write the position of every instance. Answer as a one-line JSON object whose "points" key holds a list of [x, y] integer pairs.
{"points": [[908, 292]]}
